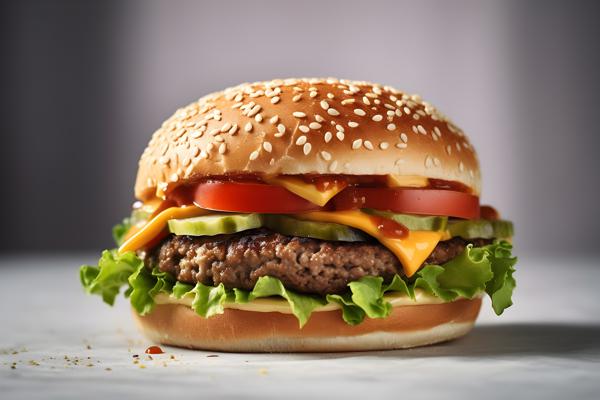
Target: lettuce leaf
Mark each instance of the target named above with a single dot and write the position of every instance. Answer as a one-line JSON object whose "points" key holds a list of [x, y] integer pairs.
{"points": [[120, 230], [111, 273], [478, 269]]}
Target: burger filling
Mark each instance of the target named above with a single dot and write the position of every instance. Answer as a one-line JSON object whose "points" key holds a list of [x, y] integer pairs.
{"points": [[304, 265], [311, 241]]}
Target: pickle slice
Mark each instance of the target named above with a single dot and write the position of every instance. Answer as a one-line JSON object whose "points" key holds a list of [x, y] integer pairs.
{"points": [[413, 222], [319, 230], [481, 229], [210, 225]]}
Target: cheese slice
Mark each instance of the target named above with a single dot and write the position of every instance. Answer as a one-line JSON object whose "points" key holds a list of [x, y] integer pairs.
{"points": [[407, 181], [412, 251], [156, 225], [307, 190], [277, 304]]}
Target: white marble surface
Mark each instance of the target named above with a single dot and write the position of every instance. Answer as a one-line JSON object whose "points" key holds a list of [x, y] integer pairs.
{"points": [[68, 345]]}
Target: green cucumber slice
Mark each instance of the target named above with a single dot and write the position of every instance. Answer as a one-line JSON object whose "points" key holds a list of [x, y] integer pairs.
{"points": [[318, 230], [210, 225], [413, 222], [481, 228]]}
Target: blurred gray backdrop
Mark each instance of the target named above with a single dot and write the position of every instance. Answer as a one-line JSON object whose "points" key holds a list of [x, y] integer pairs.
{"points": [[84, 84]]}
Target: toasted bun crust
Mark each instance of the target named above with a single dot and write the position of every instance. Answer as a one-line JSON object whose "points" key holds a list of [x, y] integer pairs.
{"points": [[249, 331], [298, 126]]}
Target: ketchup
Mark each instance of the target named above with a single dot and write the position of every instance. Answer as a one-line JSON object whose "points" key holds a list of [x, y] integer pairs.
{"points": [[489, 213], [389, 228], [154, 350]]}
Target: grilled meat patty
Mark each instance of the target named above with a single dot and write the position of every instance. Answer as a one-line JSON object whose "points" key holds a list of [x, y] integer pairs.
{"points": [[304, 265]]}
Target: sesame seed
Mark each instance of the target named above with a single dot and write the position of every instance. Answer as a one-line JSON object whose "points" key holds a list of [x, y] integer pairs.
{"points": [[449, 149], [391, 127], [301, 140], [368, 145], [356, 144], [314, 125], [267, 146], [275, 99], [436, 161], [330, 95], [384, 145], [333, 166], [401, 145], [281, 128], [210, 147], [377, 117], [406, 110], [318, 118], [339, 135], [333, 112], [365, 100], [324, 105], [297, 98], [347, 101], [414, 129], [313, 93], [299, 114], [174, 177], [421, 129], [219, 139], [360, 112], [258, 117], [196, 134], [429, 162], [390, 113], [326, 156], [253, 155], [404, 137], [222, 148], [214, 132], [254, 110], [328, 136], [437, 131], [340, 128], [226, 126], [248, 127], [203, 154], [237, 105], [461, 166], [306, 149], [352, 124], [274, 119], [304, 128]]}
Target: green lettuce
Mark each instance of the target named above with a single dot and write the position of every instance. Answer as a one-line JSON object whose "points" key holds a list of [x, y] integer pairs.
{"points": [[478, 269], [120, 230]]}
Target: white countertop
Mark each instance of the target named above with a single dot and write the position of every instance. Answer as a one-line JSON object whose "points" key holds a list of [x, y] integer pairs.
{"points": [[69, 345]]}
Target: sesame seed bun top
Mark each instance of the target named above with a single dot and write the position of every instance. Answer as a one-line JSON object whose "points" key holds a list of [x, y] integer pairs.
{"points": [[298, 126]]}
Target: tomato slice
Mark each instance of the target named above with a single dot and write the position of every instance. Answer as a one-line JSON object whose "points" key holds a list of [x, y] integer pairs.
{"points": [[250, 197], [411, 201]]}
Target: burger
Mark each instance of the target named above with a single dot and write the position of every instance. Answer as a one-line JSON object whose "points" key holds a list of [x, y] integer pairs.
{"points": [[303, 215]]}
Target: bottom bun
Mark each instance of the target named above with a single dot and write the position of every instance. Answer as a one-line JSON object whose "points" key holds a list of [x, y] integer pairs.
{"points": [[325, 331]]}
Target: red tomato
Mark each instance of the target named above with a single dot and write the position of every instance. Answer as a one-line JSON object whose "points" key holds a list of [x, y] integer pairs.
{"points": [[410, 201], [250, 197]]}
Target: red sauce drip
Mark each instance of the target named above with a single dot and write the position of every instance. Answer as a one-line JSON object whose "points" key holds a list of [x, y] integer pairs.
{"points": [[489, 213], [154, 350], [390, 228]]}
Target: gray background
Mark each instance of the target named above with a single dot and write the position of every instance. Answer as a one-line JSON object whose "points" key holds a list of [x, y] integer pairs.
{"points": [[84, 84]]}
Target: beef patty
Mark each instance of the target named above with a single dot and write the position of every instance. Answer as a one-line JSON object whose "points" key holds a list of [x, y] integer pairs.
{"points": [[304, 265]]}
